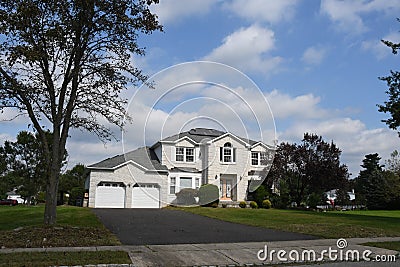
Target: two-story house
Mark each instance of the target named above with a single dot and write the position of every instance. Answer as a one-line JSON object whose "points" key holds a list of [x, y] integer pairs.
{"points": [[150, 177]]}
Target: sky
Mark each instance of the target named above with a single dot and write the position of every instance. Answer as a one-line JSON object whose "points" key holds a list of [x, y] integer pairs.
{"points": [[264, 69]]}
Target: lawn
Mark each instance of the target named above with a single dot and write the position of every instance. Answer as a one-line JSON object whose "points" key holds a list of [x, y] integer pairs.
{"points": [[81, 258], [321, 224], [388, 245], [22, 226]]}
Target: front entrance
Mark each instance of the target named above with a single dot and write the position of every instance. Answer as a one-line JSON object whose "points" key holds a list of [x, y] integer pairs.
{"points": [[227, 187]]}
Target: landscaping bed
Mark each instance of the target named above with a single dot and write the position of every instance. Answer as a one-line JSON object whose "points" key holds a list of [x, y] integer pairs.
{"points": [[22, 226]]}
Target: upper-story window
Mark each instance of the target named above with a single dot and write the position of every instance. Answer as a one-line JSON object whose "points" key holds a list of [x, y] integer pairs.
{"points": [[227, 153], [258, 158], [184, 154]]}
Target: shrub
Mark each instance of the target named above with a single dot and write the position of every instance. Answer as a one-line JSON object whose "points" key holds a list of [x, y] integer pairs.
{"points": [[266, 204], [242, 204], [76, 196], [253, 205], [208, 195], [224, 205], [186, 196], [260, 194]]}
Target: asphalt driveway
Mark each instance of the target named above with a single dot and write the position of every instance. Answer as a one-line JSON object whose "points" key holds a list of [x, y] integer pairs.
{"points": [[163, 226]]}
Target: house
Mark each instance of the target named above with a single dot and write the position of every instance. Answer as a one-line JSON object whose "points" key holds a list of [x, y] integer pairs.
{"points": [[14, 195], [150, 177]]}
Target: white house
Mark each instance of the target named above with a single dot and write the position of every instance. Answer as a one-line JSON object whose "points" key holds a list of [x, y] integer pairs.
{"points": [[150, 177]]}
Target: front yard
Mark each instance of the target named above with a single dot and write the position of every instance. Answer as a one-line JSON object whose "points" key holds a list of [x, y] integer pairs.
{"points": [[22, 226], [345, 224]]}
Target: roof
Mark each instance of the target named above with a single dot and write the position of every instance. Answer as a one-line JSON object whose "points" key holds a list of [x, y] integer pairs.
{"points": [[199, 134], [143, 156]]}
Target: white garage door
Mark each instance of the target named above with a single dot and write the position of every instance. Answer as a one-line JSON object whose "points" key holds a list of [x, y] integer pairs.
{"points": [[110, 195], [146, 196]]}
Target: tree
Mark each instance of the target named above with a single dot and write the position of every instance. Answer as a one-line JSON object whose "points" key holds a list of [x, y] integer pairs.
{"points": [[64, 64], [310, 167], [25, 164], [375, 187], [392, 106], [393, 164], [72, 180]]}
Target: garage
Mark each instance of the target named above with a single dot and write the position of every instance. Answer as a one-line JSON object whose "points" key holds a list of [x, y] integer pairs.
{"points": [[146, 196], [110, 195]]}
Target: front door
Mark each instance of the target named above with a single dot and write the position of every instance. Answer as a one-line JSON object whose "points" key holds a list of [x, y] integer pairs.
{"points": [[226, 189]]}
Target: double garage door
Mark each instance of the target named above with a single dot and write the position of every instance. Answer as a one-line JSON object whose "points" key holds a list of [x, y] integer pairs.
{"points": [[112, 195]]}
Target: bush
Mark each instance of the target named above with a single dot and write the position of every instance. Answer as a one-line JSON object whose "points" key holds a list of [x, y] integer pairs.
{"points": [[242, 204], [260, 194], [266, 204], [76, 196], [253, 205], [187, 196], [208, 195], [224, 205]]}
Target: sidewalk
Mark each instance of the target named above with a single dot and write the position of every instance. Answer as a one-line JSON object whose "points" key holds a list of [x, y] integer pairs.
{"points": [[235, 254]]}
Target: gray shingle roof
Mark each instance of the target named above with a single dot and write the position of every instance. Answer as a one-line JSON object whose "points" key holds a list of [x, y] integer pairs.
{"points": [[143, 156], [199, 134]]}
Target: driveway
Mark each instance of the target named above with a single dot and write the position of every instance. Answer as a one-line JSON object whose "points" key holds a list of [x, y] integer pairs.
{"points": [[162, 226]]}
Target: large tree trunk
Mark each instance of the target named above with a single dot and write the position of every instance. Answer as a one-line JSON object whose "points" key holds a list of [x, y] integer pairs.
{"points": [[50, 212]]}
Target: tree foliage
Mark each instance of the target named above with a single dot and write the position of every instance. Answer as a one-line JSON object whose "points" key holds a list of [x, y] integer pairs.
{"points": [[64, 63], [375, 187], [25, 165], [313, 166], [73, 181], [392, 105]]}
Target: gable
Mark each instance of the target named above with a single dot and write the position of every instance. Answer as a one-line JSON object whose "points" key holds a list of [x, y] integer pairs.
{"points": [[228, 137], [185, 142]]}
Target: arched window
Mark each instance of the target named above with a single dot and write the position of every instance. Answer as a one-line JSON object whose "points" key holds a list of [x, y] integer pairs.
{"points": [[227, 153]]}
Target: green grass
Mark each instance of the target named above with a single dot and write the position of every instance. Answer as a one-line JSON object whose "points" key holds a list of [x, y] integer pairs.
{"points": [[36, 259], [321, 224], [22, 226], [22, 216], [395, 245]]}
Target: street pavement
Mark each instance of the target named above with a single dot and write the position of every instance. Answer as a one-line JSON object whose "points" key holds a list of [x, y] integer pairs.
{"points": [[250, 253]]}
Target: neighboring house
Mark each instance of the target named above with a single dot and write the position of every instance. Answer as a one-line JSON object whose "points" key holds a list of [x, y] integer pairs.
{"points": [[150, 177], [331, 195], [16, 196]]}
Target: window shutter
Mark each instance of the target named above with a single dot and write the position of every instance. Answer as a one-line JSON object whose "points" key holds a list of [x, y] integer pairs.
{"points": [[220, 154], [234, 154]]}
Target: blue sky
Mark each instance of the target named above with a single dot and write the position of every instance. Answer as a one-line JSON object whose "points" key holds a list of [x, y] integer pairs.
{"points": [[316, 62]]}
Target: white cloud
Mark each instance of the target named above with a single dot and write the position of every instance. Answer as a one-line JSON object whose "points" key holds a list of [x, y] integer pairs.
{"points": [[348, 14], [263, 10], [248, 49], [170, 11], [303, 106], [379, 49], [314, 55]]}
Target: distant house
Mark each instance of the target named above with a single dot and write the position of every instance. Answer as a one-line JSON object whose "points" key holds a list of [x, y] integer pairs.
{"points": [[331, 195], [150, 177], [16, 196]]}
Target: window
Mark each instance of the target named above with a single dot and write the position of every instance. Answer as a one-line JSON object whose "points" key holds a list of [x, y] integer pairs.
{"points": [[185, 182], [184, 154], [197, 183], [227, 153], [180, 153], [254, 158], [258, 158], [172, 185], [189, 154]]}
